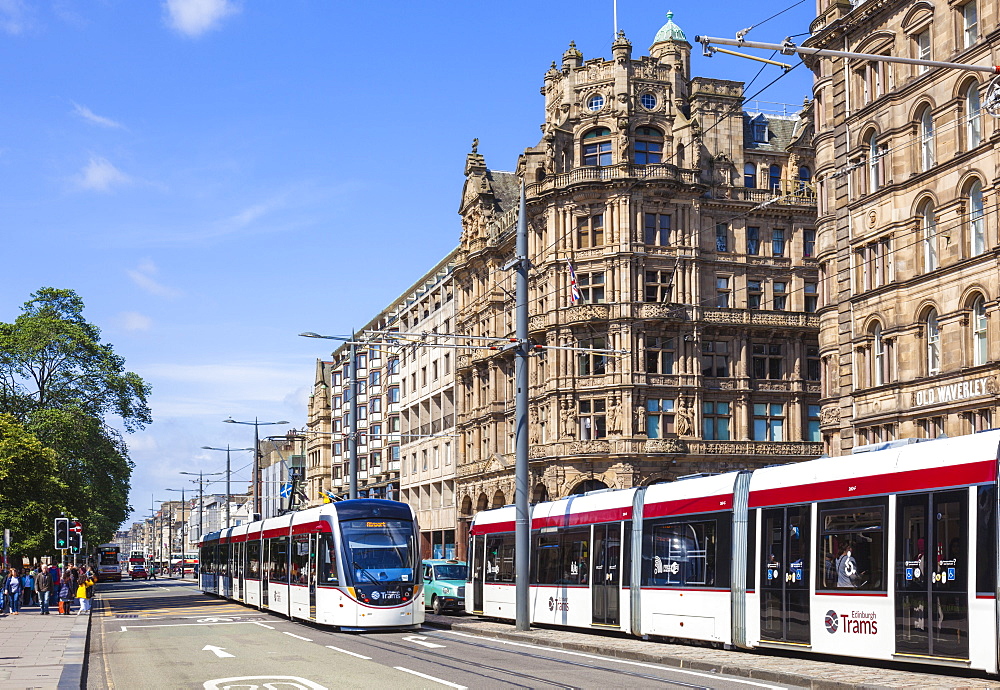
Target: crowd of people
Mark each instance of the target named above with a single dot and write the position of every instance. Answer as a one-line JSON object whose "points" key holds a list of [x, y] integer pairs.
{"points": [[47, 587]]}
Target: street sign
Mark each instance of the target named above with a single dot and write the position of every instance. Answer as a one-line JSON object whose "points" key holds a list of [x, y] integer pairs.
{"points": [[76, 535], [286, 490]]}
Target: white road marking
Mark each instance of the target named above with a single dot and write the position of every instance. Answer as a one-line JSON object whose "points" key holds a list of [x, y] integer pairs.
{"points": [[419, 639], [613, 660], [263, 625], [344, 651], [181, 625], [296, 636], [302, 683], [214, 620], [436, 680], [219, 651]]}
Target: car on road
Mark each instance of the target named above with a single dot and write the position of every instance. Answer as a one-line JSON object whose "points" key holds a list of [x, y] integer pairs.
{"points": [[444, 584], [139, 571]]}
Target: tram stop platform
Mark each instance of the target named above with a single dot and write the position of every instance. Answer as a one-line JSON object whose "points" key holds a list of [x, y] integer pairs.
{"points": [[43, 652], [787, 668]]}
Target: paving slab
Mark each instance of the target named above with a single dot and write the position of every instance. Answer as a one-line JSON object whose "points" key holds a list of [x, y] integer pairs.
{"points": [[786, 668], [43, 652]]}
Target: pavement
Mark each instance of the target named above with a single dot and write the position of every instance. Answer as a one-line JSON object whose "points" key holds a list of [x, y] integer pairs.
{"points": [[43, 652], [772, 667]]}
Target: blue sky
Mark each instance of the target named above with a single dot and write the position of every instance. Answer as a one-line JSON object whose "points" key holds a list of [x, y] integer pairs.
{"points": [[214, 177]]}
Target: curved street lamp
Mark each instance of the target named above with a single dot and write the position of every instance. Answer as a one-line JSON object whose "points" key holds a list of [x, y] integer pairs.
{"points": [[256, 457]]}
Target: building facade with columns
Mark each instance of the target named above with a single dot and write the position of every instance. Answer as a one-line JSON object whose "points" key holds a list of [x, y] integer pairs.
{"points": [[689, 225], [907, 229]]}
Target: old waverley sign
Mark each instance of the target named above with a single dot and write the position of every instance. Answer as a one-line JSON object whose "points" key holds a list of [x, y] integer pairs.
{"points": [[952, 392]]}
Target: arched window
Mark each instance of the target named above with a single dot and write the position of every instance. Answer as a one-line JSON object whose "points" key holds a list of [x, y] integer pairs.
{"points": [[750, 176], [977, 224], [973, 116], [648, 146], [774, 177], [926, 139], [597, 147], [933, 333], [879, 359], [979, 344], [872, 180], [928, 236]]}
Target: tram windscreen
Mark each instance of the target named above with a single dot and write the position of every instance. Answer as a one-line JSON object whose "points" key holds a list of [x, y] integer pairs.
{"points": [[379, 550]]}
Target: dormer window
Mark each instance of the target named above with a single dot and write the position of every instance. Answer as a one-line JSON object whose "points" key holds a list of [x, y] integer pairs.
{"points": [[759, 129], [648, 146], [597, 147]]}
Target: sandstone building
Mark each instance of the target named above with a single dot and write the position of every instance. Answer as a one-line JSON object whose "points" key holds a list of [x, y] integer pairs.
{"points": [[906, 234], [690, 226]]}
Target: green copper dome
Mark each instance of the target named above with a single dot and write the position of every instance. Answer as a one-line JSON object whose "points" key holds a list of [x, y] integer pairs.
{"points": [[669, 31]]}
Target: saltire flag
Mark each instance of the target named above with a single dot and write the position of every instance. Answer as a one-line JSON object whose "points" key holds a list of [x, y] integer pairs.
{"points": [[574, 289]]}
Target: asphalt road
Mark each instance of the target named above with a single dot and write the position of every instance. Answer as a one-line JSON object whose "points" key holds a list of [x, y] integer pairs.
{"points": [[166, 634]]}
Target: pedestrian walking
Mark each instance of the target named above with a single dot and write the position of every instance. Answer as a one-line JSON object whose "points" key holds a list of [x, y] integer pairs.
{"points": [[66, 590], [54, 574], [81, 593], [152, 572], [13, 589], [43, 586]]}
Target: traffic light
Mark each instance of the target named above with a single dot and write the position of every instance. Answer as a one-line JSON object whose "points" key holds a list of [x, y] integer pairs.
{"points": [[62, 533], [75, 535]]}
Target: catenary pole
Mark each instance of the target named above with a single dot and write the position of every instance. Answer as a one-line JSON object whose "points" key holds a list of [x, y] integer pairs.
{"points": [[522, 525], [352, 441]]}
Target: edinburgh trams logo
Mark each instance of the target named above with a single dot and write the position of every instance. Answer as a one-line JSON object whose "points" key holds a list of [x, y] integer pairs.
{"points": [[853, 623], [560, 604]]}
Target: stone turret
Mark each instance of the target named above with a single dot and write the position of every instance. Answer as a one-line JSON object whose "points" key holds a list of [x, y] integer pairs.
{"points": [[671, 47]]}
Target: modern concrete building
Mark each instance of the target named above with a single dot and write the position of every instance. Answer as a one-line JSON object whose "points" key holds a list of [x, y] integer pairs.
{"points": [[906, 234], [688, 222]]}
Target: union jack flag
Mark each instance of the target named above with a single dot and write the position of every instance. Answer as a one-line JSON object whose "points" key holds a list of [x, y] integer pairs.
{"points": [[574, 289]]}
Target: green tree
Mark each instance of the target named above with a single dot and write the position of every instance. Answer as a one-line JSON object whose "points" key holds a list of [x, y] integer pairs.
{"points": [[32, 493], [93, 463], [62, 383], [52, 358]]}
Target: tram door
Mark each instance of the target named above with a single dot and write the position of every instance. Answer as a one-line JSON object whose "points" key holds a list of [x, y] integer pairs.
{"points": [[239, 568], [478, 572], [932, 570], [311, 571], [605, 579], [784, 606]]}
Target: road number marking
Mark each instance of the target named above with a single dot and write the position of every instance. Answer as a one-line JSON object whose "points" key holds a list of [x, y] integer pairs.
{"points": [[344, 651], [419, 639], [436, 680]]}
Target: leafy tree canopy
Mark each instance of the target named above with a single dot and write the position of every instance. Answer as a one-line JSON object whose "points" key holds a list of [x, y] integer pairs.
{"points": [[52, 358], [31, 492]]}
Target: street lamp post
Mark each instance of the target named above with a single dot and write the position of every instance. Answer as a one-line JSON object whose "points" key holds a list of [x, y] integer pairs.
{"points": [[183, 525], [228, 474], [201, 498], [256, 457]]}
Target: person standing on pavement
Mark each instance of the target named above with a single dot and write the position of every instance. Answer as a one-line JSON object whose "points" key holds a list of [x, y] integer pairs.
{"points": [[81, 593], [54, 589], [13, 591], [66, 590], [43, 585], [28, 588]]}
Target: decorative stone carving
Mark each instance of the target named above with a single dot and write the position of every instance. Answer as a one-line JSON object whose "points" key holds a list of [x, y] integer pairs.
{"points": [[589, 447], [829, 415], [568, 416], [683, 421], [665, 445], [640, 420], [616, 423]]}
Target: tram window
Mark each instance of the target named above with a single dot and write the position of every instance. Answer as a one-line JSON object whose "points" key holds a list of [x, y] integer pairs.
{"points": [[562, 558], [852, 545], [253, 559], [986, 552], [223, 566], [300, 560], [684, 553], [278, 561], [327, 561], [500, 558]]}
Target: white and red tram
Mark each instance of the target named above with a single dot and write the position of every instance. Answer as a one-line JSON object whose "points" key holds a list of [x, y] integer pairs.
{"points": [[889, 554], [353, 564]]}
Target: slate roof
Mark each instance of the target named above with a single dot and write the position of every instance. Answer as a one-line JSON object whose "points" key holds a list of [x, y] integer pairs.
{"points": [[781, 131], [506, 188]]}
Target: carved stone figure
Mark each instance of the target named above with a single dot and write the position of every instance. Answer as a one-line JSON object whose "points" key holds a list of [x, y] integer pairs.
{"points": [[475, 145], [615, 422], [568, 420], [683, 422], [640, 419]]}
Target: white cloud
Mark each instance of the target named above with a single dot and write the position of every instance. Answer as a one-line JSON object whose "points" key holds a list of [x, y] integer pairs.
{"points": [[134, 321], [143, 276], [195, 17], [101, 176], [89, 115], [13, 16]]}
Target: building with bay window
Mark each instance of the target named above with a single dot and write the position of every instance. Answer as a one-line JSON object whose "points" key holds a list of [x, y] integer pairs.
{"points": [[669, 224], [907, 241]]}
